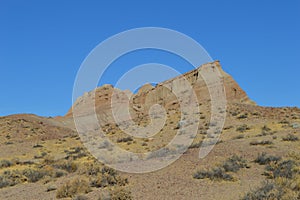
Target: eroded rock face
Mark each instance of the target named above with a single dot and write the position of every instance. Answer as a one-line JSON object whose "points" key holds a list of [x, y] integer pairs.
{"points": [[103, 98]]}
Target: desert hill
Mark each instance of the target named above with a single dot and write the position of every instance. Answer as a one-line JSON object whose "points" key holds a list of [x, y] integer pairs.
{"points": [[44, 158]]}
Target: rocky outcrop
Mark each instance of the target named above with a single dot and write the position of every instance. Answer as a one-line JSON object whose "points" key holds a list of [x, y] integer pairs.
{"points": [[104, 98]]}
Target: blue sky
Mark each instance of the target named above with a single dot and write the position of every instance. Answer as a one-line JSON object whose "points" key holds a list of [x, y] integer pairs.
{"points": [[43, 43]]}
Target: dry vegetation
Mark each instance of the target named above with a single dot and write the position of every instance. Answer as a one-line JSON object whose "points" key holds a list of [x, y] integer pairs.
{"points": [[256, 156]]}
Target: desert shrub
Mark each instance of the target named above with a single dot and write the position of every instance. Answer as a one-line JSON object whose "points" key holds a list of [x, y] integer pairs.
{"points": [[80, 197], [67, 165], [5, 163], [284, 169], [264, 159], [234, 113], [8, 143], [71, 188], [234, 164], [290, 138], [92, 169], [48, 160], [120, 194], [267, 191], [75, 153], [144, 144], [4, 182], [108, 170], [217, 173], [255, 113], [243, 116], [164, 152], [104, 145], [126, 139], [284, 183], [263, 142], [37, 146], [34, 175], [10, 178], [107, 177], [265, 128], [285, 189], [243, 128], [195, 145], [284, 122], [59, 173], [103, 180], [27, 162], [228, 127], [51, 188], [239, 137]]}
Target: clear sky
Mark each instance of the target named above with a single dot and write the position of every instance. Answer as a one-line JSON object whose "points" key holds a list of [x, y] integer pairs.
{"points": [[43, 43]]}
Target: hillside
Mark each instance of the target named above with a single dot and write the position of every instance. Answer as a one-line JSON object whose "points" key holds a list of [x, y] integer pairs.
{"points": [[46, 158]]}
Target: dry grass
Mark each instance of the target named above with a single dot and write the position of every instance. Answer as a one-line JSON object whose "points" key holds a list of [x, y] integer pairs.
{"points": [[72, 188]]}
